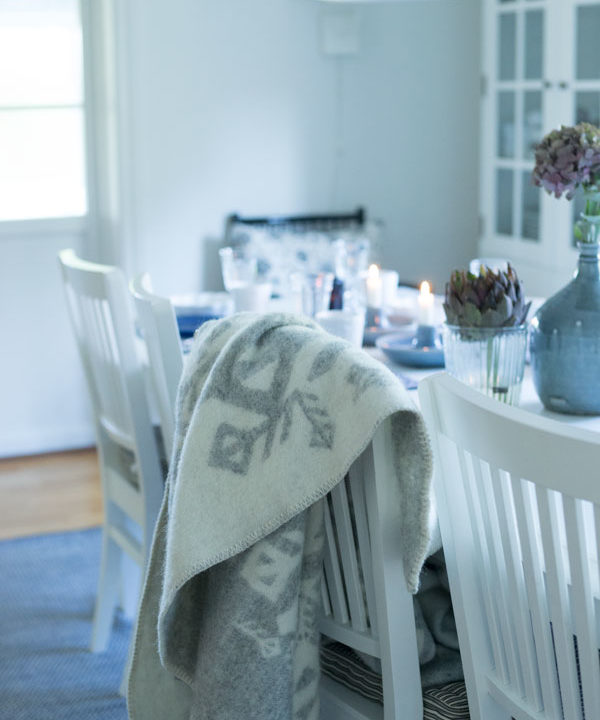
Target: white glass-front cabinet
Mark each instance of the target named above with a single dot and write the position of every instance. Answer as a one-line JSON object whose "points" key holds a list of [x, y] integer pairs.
{"points": [[541, 69]]}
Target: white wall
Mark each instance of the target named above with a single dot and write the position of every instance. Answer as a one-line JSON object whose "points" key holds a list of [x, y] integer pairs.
{"points": [[411, 121], [234, 106], [43, 401]]}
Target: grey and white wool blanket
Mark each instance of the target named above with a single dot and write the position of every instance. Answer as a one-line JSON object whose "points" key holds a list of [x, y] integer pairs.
{"points": [[271, 412]]}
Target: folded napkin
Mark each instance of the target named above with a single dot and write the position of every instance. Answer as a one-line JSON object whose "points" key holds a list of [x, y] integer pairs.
{"points": [[271, 412]]}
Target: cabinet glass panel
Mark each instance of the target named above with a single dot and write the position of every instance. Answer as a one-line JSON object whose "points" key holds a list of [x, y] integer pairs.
{"points": [[506, 124], [534, 45], [530, 208], [587, 107], [532, 122], [587, 47], [507, 41], [504, 201]]}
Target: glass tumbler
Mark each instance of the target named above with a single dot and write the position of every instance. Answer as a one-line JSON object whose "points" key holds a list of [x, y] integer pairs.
{"points": [[238, 268], [489, 359]]}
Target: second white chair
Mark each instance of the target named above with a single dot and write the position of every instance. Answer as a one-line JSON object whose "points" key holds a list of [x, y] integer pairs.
{"points": [[156, 318]]}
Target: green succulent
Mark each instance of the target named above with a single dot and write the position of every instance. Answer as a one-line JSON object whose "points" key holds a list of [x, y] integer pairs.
{"points": [[490, 299]]}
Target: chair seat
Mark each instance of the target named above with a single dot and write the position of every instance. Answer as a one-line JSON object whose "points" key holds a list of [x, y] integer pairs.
{"points": [[342, 664]]}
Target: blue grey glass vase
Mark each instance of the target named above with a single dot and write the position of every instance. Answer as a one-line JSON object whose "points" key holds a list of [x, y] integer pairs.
{"points": [[565, 342]]}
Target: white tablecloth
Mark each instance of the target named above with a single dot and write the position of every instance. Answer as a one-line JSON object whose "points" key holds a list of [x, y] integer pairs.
{"points": [[529, 399]]}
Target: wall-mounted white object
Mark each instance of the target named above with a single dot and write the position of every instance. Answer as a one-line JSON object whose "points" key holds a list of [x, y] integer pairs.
{"points": [[368, 2], [340, 30]]}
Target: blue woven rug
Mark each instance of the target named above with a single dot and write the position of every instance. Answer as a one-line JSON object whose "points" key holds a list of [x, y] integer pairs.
{"points": [[47, 589]]}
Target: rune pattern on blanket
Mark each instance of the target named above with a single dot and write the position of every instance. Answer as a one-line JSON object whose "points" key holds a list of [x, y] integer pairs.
{"points": [[262, 387]]}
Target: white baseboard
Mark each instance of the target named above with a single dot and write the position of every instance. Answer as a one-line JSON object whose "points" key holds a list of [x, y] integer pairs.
{"points": [[43, 440]]}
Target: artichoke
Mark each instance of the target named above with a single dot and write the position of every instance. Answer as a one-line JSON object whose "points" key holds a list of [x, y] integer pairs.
{"points": [[489, 299]]}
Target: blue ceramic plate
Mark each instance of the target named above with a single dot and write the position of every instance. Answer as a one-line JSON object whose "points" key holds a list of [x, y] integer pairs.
{"points": [[400, 349], [372, 334]]}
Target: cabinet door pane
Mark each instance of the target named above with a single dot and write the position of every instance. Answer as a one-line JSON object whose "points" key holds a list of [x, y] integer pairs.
{"points": [[504, 201], [506, 124], [530, 208], [534, 45], [532, 122], [507, 41], [587, 107], [587, 45]]}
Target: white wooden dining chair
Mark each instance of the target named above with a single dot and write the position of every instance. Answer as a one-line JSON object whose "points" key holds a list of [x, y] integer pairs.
{"points": [[158, 324], [366, 604], [519, 509], [132, 480]]}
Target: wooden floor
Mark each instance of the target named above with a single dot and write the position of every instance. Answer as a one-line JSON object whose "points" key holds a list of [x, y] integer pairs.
{"points": [[49, 493]]}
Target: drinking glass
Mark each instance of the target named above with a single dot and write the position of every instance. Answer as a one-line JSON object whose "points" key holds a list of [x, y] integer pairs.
{"points": [[238, 268], [311, 292], [489, 359], [252, 297]]}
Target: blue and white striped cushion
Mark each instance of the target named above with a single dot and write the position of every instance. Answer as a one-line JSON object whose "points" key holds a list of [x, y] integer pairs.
{"points": [[448, 702]]}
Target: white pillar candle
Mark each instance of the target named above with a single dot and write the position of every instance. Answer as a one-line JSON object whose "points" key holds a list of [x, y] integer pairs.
{"points": [[389, 284], [426, 312], [374, 287]]}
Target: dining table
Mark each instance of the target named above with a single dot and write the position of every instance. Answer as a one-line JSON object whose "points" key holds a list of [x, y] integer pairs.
{"points": [[529, 399], [411, 376]]}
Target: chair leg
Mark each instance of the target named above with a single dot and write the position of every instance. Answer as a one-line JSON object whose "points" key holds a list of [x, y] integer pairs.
{"points": [[131, 577], [125, 678], [108, 590], [130, 586]]}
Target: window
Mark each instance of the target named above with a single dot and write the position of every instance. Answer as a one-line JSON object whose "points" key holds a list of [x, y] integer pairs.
{"points": [[42, 141]]}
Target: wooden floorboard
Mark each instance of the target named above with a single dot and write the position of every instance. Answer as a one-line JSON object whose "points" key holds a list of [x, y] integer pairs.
{"points": [[49, 493]]}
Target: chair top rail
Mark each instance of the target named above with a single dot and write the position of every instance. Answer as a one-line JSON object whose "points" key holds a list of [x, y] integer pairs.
{"points": [[334, 220], [543, 450], [85, 277]]}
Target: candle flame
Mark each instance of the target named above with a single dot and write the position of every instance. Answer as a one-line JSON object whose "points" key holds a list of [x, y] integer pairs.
{"points": [[425, 288], [373, 272]]}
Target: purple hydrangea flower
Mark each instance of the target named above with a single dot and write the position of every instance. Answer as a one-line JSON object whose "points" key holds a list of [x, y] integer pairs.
{"points": [[568, 158]]}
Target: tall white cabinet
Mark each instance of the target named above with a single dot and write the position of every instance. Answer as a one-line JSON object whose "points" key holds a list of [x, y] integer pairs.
{"points": [[541, 69]]}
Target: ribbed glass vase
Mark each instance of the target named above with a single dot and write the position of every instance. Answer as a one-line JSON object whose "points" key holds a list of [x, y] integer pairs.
{"points": [[491, 360]]}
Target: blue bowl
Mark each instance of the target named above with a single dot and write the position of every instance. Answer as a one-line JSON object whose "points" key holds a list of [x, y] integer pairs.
{"points": [[400, 348]]}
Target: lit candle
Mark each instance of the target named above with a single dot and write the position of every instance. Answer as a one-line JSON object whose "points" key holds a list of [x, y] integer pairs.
{"points": [[374, 287], [425, 315]]}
